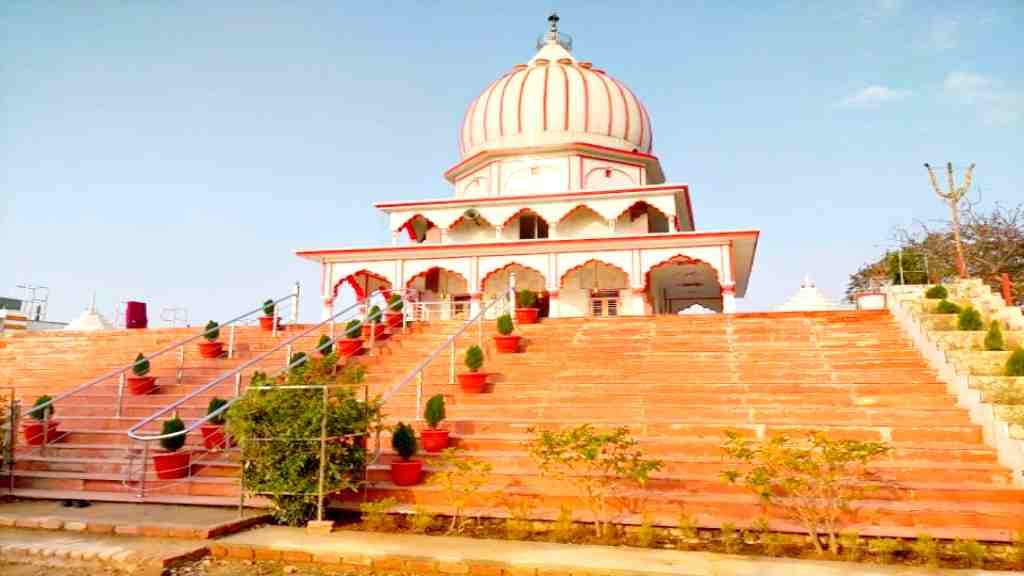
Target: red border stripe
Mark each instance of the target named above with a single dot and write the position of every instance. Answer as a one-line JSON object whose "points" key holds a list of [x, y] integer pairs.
{"points": [[522, 90]]}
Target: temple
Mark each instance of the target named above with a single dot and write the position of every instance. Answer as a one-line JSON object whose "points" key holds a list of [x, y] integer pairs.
{"points": [[557, 184]]}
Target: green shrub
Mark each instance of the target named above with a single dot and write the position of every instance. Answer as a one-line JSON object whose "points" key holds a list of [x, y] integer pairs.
{"points": [[885, 548], [927, 550], [970, 319], [216, 403], [526, 298], [459, 478], [403, 440], [212, 331], [421, 520], [849, 543], [377, 515], [946, 307], [505, 325], [937, 292], [971, 552], [297, 359], [1015, 365], [434, 412], [141, 366], [994, 339], [172, 426], [564, 528], [269, 307], [373, 316], [354, 329], [324, 346], [646, 533], [395, 303], [729, 537], [474, 358], [687, 530], [42, 413]]}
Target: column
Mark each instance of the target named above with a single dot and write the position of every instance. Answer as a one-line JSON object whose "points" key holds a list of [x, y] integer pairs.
{"points": [[395, 237], [474, 303], [728, 298], [328, 308], [497, 232], [553, 304], [638, 304]]}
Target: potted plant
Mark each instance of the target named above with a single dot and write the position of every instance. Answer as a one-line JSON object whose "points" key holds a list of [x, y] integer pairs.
{"points": [[473, 381], [173, 463], [41, 418], [372, 324], [393, 316], [405, 472], [505, 341], [352, 343], [140, 382], [211, 348], [213, 430], [324, 346], [269, 316], [526, 313], [434, 439]]}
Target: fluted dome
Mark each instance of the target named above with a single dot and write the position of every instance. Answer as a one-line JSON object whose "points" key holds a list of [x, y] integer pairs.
{"points": [[554, 99]]}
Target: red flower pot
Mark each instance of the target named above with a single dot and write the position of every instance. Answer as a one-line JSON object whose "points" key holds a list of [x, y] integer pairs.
{"points": [[379, 331], [434, 440], [211, 349], [267, 323], [527, 315], [349, 346], [172, 465], [406, 472], [141, 385], [473, 382], [214, 437], [506, 344], [33, 432], [393, 319]]}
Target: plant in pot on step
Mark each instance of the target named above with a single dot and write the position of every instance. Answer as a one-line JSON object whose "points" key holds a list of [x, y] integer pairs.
{"points": [[173, 463], [393, 316], [505, 341], [140, 382], [526, 312], [211, 348], [352, 343], [213, 430], [42, 419], [473, 381], [324, 346], [269, 315], [372, 323], [405, 472], [434, 439]]}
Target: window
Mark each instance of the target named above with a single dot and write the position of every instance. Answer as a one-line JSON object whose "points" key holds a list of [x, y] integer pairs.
{"points": [[531, 227]]}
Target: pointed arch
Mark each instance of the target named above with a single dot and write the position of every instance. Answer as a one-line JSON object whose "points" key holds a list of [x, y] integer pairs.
{"points": [[711, 274], [644, 203], [462, 219], [408, 227], [592, 262], [506, 268], [576, 209], [434, 270], [363, 282], [521, 212]]}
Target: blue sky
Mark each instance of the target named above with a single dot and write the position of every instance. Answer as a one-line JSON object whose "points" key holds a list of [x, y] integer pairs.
{"points": [[178, 152]]}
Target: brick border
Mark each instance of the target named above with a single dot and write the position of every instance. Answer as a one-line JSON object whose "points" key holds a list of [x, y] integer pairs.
{"points": [[130, 529]]}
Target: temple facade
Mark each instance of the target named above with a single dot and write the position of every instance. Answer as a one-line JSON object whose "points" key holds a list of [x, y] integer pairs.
{"points": [[556, 185]]}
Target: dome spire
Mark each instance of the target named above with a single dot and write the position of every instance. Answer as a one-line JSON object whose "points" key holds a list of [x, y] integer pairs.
{"points": [[553, 36]]}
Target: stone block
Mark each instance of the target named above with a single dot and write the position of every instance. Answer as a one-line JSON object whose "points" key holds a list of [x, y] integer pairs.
{"points": [[99, 528], [75, 526], [481, 568], [128, 530], [27, 522], [7, 521], [320, 528], [452, 567], [358, 560], [327, 558], [421, 566], [266, 554], [240, 552], [296, 556], [51, 523], [388, 563]]}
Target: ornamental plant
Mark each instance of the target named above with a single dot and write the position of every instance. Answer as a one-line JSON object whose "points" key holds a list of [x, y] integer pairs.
{"points": [[353, 329], [297, 359], [403, 440], [474, 358], [994, 338], [526, 298], [377, 515], [505, 325], [970, 319], [212, 331], [395, 303], [946, 307], [141, 366], [373, 316], [596, 464], [1015, 364], [216, 403], [460, 478], [324, 346], [812, 480], [937, 292], [38, 411], [927, 550], [269, 307], [885, 548], [172, 426], [434, 412]]}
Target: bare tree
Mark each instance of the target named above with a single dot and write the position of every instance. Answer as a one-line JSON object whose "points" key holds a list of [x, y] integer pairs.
{"points": [[953, 197]]}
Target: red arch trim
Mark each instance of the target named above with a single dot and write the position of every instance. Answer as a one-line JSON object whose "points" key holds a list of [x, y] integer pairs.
{"points": [[413, 217], [463, 217], [577, 208], [483, 281], [408, 283], [522, 211], [680, 259], [659, 210], [561, 281], [519, 110], [351, 279]]}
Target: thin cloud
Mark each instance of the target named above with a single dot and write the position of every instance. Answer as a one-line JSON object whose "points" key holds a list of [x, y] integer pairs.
{"points": [[873, 96], [992, 101]]}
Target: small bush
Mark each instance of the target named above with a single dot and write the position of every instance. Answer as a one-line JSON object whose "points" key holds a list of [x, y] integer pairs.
{"points": [[687, 530], [994, 338], [474, 358], [1015, 364], [212, 331], [969, 319], [373, 316], [395, 303], [518, 525], [324, 345], [42, 413], [849, 543], [141, 366], [775, 544], [970, 552], [377, 515], [434, 412], [421, 520], [1008, 394], [354, 329], [564, 529], [505, 325], [526, 298], [927, 550], [646, 534], [885, 548], [937, 292], [216, 403], [172, 443], [297, 359], [729, 536], [403, 440], [269, 307], [459, 478], [946, 307]]}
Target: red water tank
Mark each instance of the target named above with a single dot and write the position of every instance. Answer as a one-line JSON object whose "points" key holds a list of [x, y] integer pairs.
{"points": [[135, 315]]}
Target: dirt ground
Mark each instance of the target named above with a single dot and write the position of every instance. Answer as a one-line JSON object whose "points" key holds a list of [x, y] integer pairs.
{"points": [[205, 567]]}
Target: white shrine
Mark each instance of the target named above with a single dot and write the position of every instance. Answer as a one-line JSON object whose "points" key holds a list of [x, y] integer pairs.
{"points": [[557, 183], [809, 298]]}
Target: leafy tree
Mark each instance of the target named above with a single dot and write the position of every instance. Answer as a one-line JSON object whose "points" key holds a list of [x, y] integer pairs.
{"points": [[526, 298], [1015, 364], [268, 307], [403, 440], [353, 329], [324, 346]]}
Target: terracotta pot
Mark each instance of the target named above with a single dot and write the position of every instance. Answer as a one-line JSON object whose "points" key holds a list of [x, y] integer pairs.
{"points": [[506, 344], [379, 329], [141, 385], [406, 472], [434, 440], [267, 323], [33, 432], [473, 382], [393, 319], [214, 437], [211, 349], [172, 465], [527, 315], [349, 346]]}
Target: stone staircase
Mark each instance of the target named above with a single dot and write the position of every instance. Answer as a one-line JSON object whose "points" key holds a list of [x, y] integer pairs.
{"points": [[680, 382]]}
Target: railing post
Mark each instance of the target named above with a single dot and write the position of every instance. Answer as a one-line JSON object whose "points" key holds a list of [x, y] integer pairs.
{"points": [[288, 358], [512, 291], [46, 428], [231, 342], [145, 463], [480, 327], [238, 383], [419, 394], [12, 440], [120, 394], [180, 375], [323, 457], [295, 304], [451, 363]]}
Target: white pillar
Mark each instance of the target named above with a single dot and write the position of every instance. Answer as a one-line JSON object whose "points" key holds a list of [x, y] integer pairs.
{"points": [[497, 232], [729, 299], [327, 309], [394, 238], [474, 303], [553, 304]]}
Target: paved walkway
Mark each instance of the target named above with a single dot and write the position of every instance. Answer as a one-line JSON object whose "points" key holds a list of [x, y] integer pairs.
{"points": [[451, 555]]}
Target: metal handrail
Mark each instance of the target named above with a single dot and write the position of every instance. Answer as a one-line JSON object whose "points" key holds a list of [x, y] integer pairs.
{"points": [[162, 351]]}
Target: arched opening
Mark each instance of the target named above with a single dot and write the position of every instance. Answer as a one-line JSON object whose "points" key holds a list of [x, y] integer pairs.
{"points": [[525, 225], [421, 230], [471, 227], [497, 282], [580, 222], [363, 283], [681, 282], [594, 288], [442, 291], [641, 218]]}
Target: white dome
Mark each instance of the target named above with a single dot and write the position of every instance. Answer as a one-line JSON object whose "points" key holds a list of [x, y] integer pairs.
{"points": [[555, 100]]}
